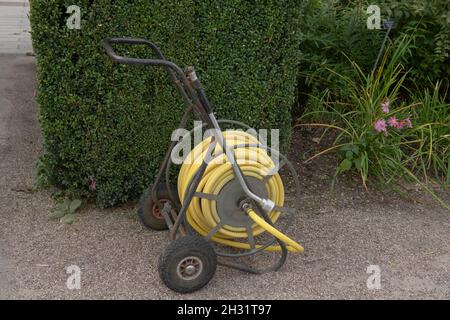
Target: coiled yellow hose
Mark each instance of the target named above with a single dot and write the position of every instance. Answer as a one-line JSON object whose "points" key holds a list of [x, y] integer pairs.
{"points": [[254, 162]]}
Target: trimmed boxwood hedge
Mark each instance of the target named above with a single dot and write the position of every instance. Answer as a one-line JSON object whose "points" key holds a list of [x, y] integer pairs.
{"points": [[107, 126]]}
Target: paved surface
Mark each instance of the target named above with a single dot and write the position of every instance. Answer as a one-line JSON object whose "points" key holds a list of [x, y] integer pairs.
{"points": [[15, 27], [7, 278], [343, 233]]}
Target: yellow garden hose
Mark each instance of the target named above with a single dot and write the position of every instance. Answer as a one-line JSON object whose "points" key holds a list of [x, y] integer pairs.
{"points": [[254, 162], [291, 244]]}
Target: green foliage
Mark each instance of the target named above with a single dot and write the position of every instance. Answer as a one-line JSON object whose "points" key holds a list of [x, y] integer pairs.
{"points": [[106, 126], [432, 151], [351, 158], [69, 218], [396, 154], [66, 210], [335, 35], [344, 94], [428, 23], [41, 175]]}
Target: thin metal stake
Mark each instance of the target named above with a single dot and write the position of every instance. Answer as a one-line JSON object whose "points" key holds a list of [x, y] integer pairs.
{"points": [[389, 24]]}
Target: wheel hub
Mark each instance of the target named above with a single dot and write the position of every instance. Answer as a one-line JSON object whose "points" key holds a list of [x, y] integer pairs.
{"points": [[189, 268], [156, 212]]}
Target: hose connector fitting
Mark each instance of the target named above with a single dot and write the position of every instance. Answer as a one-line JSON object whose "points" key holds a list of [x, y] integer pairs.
{"points": [[266, 204]]}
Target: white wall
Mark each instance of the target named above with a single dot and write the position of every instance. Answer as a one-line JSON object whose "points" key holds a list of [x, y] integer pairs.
{"points": [[14, 27]]}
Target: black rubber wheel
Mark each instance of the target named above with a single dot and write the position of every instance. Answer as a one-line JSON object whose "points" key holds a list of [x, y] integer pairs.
{"points": [[148, 211], [187, 264]]}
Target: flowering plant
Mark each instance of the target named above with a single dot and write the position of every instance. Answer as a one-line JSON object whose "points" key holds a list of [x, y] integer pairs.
{"points": [[381, 125], [375, 134]]}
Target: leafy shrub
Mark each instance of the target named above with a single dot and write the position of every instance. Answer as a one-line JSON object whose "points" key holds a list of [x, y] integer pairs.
{"points": [[107, 126], [432, 135], [335, 35], [428, 23], [383, 136]]}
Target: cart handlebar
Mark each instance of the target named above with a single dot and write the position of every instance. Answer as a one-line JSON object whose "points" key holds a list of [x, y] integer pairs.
{"points": [[190, 93], [161, 61]]}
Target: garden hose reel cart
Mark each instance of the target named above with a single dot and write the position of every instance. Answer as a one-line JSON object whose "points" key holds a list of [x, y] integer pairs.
{"points": [[230, 199]]}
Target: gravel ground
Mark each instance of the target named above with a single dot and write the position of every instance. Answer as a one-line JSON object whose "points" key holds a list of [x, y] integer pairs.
{"points": [[343, 232]]}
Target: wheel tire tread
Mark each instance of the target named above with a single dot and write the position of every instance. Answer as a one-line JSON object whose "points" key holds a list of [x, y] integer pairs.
{"points": [[144, 201], [187, 243]]}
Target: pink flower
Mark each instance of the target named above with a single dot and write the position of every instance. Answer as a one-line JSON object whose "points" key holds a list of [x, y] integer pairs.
{"points": [[385, 105], [407, 122], [380, 126], [399, 124], [393, 122]]}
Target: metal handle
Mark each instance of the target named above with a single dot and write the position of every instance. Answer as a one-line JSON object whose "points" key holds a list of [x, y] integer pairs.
{"points": [[190, 94], [161, 62]]}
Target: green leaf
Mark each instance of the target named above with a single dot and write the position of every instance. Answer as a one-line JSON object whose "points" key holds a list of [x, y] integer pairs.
{"points": [[363, 142], [448, 171], [345, 165], [358, 163], [349, 155], [346, 147], [74, 205], [64, 206], [355, 149], [57, 214], [69, 218]]}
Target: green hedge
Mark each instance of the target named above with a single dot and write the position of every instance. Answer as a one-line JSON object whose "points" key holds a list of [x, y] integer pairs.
{"points": [[110, 124]]}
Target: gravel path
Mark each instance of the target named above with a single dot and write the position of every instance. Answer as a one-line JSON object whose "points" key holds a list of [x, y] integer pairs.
{"points": [[343, 232]]}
